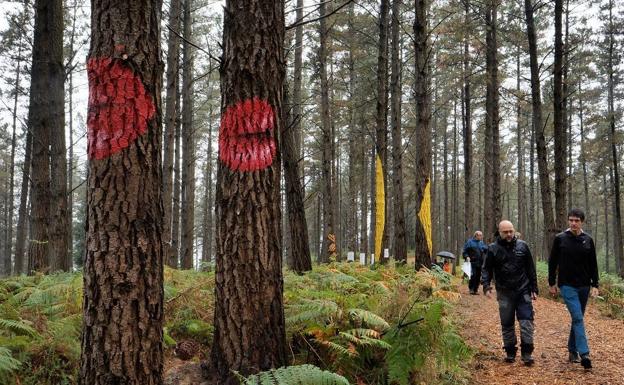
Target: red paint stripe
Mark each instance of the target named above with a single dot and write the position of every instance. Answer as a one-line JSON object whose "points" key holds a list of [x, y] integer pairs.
{"points": [[119, 107], [246, 141]]}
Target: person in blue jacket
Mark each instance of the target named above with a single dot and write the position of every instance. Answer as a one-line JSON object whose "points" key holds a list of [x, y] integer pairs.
{"points": [[473, 252]]}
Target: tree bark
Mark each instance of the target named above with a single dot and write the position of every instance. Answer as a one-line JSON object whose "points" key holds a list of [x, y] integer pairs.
{"points": [[381, 118], [44, 113], [173, 51], [492, 208], [467, 128], [207, 228], [18, 264], [249, 313], [611, 64], [22, 214], [188, 146], [174, 256], [123, 270], [583, 157], [538, 126], [521, 225], [423, 245], [400, 245], [326, 143], [559, 124], [298, 257]]}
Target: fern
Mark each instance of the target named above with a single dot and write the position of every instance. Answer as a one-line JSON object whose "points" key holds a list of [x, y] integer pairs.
{"points": [[18, 327], [314, 310], [7, 363], [295, 375], [369, 318]]}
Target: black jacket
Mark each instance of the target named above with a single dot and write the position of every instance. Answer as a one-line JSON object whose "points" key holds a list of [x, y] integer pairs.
{"points": [[574, 258], [511, 265]]}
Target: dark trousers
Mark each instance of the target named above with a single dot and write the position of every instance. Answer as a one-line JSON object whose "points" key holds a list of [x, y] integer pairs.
{"points": [[518, 305], [475, 278]]}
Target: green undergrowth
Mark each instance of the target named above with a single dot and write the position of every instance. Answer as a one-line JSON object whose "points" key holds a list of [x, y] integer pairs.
{"points": [[345, 322]]}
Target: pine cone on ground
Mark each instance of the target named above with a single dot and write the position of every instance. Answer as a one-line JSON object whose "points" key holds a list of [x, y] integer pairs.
{"points": [[186, 349]]}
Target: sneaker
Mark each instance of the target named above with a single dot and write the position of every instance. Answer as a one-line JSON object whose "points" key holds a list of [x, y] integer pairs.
{"points": [[527, 359], [586, 362], [574, 357]]}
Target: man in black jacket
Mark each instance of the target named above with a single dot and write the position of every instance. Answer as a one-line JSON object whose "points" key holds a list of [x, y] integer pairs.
{"points": [[573, 256], [510, 263]]}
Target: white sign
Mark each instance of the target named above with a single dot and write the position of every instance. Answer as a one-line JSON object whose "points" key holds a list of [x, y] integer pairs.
{"points": [[386, 253], [372, 259], [362, 259], [350, 256]]}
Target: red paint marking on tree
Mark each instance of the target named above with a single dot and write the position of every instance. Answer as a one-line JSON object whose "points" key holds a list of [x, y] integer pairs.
{"points": [[246, 141], [119, 107]]}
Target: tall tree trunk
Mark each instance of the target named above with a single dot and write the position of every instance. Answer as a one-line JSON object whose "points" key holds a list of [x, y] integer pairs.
{"points": [[363, 194], [173, 51], [70, 162], [538, 126], [174, 256], [59, 219], [18, 263], [248, 276], [492, 213], [298, 257], [207, 228], [44, 113], [326, 143], [188, 146], [583, 158], [22, 214], [351, 227], [381, 117], [559, 124], [123, 269], [606, 194], [532, 207], [400, 246], [445, 242], [520, 147], [611, 64], [424, 241], [456, 230], [467, 127]]}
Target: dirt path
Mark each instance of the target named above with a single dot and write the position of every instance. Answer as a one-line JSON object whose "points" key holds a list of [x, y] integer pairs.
{"points": [[481, 328]]}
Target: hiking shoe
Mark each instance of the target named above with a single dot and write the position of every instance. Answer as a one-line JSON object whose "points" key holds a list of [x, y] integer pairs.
{"points": [[527, 359], [574, 357], [586, 362], [510, 357]]}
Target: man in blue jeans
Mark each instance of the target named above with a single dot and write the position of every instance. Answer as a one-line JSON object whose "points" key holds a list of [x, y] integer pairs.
{"points": [[573, 262]]}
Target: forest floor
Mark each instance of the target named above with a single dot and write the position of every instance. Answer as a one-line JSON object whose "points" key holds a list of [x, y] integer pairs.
{"points": [[480, 328]]}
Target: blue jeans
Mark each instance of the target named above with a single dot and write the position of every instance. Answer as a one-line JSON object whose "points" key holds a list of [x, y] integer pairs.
{"points": [[576, 299]]}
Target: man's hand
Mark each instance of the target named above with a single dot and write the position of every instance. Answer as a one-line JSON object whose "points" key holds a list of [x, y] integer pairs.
{"points": [[594, 292], [554, 290], [534, 296], [488, 293]]}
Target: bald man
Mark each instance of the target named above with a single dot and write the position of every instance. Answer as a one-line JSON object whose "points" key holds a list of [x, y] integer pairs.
{"points": [[510, 263]]}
